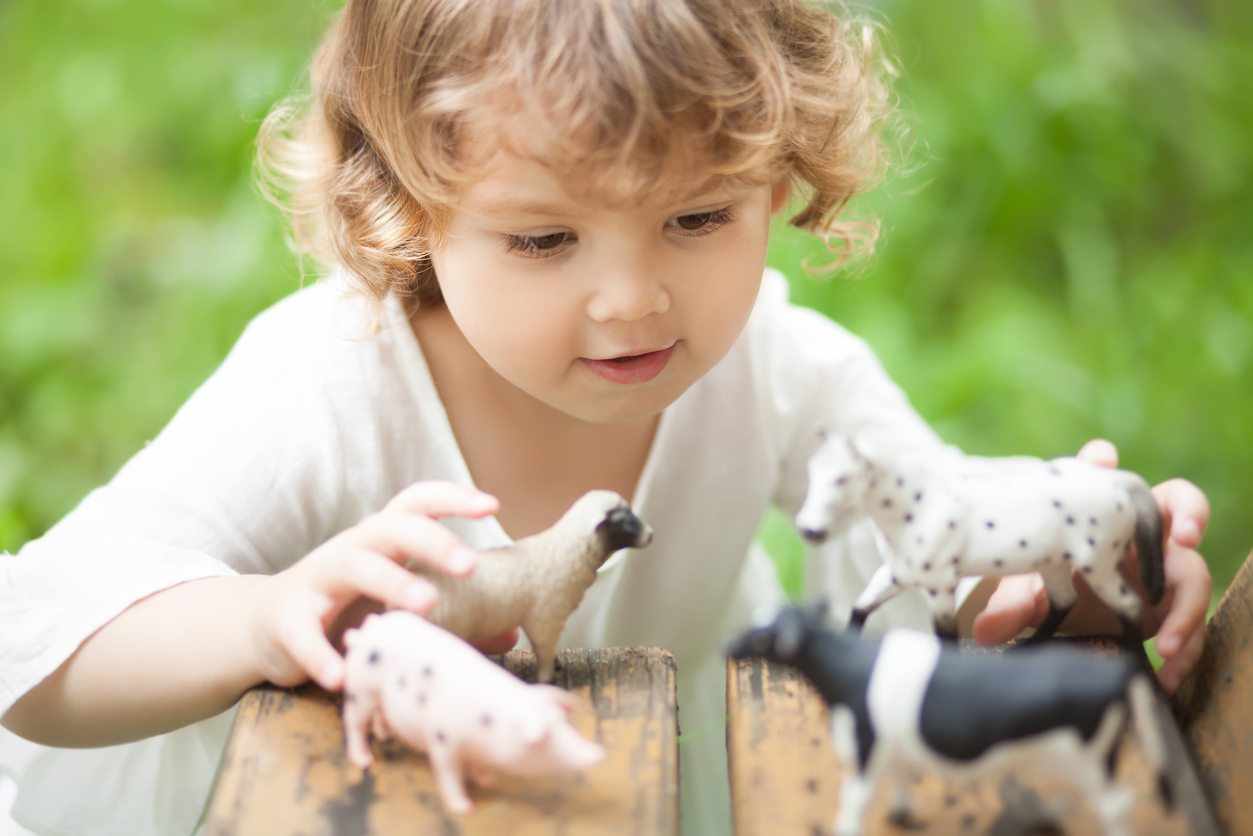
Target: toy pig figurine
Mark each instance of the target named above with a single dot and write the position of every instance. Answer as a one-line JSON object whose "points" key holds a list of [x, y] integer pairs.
{"points": [[408, 678], [538, 581]]}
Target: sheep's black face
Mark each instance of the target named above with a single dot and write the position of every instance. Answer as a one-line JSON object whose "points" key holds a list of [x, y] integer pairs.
{"points": [[621, 529]]}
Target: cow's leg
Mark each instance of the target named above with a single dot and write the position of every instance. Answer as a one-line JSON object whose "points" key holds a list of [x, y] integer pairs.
{"points": [[1061, 594], [854, 796], [881, 589]]}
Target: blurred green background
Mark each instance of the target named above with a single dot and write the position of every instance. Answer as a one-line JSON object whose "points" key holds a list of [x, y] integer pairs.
{"points": [[1066, 248]]}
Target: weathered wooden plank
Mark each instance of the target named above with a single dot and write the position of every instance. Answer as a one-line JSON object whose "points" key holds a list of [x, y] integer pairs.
{"points": [[1214, 706], [285, 771], [785, 778]]}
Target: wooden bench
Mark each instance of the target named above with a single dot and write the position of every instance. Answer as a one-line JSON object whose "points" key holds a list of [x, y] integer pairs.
{"points": [[285, 771], [785, 778], [1215, 706]]}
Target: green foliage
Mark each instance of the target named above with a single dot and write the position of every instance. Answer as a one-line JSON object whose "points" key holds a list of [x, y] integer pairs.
{"points": [[1066, 253], [1062, 254]]}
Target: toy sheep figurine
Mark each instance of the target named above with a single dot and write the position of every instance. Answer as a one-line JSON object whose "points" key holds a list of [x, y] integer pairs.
{"points": [[538, 581], [408, 678], [911, 703], [942, 523]]}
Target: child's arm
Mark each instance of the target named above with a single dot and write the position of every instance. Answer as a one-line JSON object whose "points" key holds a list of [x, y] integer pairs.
{"points": [[189, 652], [1178, 621]]}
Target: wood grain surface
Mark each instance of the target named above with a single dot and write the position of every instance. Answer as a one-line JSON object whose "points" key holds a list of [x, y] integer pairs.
{"points": [[1215, 707], [785, 778], [285, 771]]}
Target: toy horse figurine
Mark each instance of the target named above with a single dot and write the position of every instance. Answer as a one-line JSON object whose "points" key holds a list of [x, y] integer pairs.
{"points": [[910, 704], [942, 523]]}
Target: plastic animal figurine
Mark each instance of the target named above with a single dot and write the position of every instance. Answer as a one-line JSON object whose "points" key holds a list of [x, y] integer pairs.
{"points": [[1019, 515], [911, 702], [538, 581], [408, 678]]}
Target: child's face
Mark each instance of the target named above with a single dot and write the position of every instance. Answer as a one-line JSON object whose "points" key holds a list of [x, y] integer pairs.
{"points": [[604, 311]]}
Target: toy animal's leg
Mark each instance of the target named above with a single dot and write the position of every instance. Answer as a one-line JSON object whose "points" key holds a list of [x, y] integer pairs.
{"points": [[544, 637], [358, 716], [483, 776], [881, 589], [1110, 587], [901, 809], [448, 778], [854, 796], [943, 612], [1061, 595]]}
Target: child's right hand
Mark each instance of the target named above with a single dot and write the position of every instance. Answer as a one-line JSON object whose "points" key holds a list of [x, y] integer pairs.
{"points": [[291, 611]]}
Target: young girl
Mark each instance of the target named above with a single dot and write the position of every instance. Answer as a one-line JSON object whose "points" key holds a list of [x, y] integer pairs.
{"points": [[548, 220]]}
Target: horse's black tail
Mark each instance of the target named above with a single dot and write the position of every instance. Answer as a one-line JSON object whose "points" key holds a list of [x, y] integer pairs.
{"points": [[1148, 537]]}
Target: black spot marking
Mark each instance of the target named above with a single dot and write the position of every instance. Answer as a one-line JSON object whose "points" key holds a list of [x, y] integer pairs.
{"points": [[899, 481], [991, 524], [926, 567], [1122, 589], [351, 697], [887, 503], [1120, 507], [998, 562], [813, 786], [920, 541], [1053, 469], [374, 657], [1066, 556], [1091, 520], [1022, 544], [1056, 504], [486, 720], [918, 497], [1091, 542], [1087, 570], [1117, 543], [400, 683], [439, 735], [931, 592], [1070, 521], [841, 480], [909, 518], [421, 699], [427, 671], [956, 560]]}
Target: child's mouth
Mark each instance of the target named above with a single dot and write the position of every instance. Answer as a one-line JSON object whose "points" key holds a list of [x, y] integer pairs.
{"points": [[637, 368]]}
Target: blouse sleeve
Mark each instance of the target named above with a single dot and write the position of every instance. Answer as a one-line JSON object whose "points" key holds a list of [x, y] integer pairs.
{"points": [[245, 479]]}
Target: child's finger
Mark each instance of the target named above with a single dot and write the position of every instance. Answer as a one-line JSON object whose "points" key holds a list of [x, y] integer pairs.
{"points": [[444, 499], [497, 644], [1018, 602], [1098, 451], [375, 576], [1174, 670], [308, 647], [406, 538], [1188, 509], [1188, 578]]}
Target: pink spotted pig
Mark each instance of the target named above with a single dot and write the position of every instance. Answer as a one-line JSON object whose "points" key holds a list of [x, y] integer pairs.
{"points": [[418, 682]]}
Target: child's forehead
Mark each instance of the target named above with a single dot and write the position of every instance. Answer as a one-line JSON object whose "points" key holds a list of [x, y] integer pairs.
{"points": [[528, 174]]}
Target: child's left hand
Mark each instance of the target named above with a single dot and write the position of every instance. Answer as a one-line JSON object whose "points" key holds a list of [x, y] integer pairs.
{"points": [[1178, 620]]}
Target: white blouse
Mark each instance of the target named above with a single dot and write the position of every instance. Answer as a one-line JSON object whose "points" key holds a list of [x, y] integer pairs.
{"points": [[321, 413]]}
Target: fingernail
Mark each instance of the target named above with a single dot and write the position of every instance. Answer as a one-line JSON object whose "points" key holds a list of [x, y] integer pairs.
{"points": [[461, 560], [419, 596], [1186, 530], [329, 675]]}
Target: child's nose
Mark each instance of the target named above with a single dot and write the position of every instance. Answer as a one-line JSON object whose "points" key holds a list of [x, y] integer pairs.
{"points": [[626, 293]]}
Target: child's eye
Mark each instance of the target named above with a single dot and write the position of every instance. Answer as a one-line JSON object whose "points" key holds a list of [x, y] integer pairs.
{"points": [[702, 223], [538, 246]]}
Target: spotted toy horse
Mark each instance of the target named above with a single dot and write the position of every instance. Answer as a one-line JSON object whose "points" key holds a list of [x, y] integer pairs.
{"points": [[942, 523], [911, 704]]}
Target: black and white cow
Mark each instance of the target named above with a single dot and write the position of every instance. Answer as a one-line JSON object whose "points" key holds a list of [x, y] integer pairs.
{"points": [[909, 703]]}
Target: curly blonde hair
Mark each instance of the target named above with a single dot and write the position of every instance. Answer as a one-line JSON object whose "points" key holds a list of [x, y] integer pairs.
{"points": [[404, 90]]}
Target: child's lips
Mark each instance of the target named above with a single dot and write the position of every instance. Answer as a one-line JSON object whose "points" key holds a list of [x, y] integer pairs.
{"points": [[636, 368]]}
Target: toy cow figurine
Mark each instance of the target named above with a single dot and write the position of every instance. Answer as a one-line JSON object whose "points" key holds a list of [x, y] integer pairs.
{"points": [[539, 580], [942, 523], [910, 703], [408, 678]]}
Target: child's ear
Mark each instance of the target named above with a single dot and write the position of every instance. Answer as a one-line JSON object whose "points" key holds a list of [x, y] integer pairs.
{"points": [[780, 191]]}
